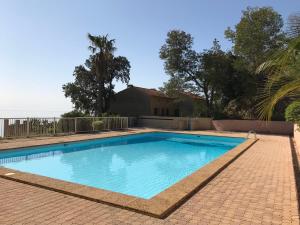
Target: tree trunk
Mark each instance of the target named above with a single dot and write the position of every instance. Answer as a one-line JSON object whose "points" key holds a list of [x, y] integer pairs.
{"points": [[99, 100], [108, 99], [98, 110], [205, 91]]}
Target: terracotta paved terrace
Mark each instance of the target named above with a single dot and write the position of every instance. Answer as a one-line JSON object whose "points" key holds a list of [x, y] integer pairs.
{"points": [[257, 188]]}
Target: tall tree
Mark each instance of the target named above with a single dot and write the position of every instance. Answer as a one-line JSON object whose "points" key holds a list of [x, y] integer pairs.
{"points": [[182, 62], [293, 25], [175, 86], [282, 85], [203, 70], [257, 36], [93, 87]]}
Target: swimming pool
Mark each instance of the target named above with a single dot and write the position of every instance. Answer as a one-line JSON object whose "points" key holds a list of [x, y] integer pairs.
{"points": [[140, 165]]}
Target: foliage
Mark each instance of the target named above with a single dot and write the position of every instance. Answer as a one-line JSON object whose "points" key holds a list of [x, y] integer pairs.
{"points": [[255, 38], [292, 112], [258, 35], [213, 73], [176, 86], [108, 114], [98, 125], [284, 78], [92, 89], [181, 62], [238, 109], [201, 70], [74, 113]]}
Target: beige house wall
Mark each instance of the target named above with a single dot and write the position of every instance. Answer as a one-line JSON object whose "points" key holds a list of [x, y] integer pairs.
{"points": [[137, 101], [162, 103], [131, 103]]}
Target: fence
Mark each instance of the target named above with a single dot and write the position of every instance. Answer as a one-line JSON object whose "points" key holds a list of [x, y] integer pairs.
{"points": [[30, 127]]}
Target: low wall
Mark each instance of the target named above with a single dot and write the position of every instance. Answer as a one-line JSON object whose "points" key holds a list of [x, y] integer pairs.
{"points": [[186, 123], [297, 136], [200, 123], [270, 127], [175, 123]]}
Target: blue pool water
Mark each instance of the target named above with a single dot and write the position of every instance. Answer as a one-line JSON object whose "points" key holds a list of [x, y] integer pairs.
{"points": [[141, 165]]}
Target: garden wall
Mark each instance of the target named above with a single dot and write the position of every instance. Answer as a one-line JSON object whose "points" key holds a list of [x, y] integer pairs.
{"points": [[186, 123], [271, 127], [297, 136], [176, 123]]}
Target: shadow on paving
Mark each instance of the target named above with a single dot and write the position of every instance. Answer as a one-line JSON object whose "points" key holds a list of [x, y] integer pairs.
{"points": [[296, 167]]}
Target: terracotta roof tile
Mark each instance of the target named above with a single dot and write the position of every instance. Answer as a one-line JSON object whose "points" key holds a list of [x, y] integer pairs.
{"points": [[157, 93], [151, 92]]}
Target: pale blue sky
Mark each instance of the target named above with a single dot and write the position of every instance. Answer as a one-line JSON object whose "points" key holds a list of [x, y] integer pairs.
{"points": [[42, 41]]}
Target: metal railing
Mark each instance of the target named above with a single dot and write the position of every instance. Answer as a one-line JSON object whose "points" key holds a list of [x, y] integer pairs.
{"points": [[30, 127], [251, 132]]}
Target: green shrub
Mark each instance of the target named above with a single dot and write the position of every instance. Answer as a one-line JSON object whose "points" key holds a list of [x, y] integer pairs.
{"points": [[98, 125], [74, 113], [292, 112]]}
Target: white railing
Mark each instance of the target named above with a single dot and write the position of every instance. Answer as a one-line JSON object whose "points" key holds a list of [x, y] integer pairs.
{"points": [[30, 127]]}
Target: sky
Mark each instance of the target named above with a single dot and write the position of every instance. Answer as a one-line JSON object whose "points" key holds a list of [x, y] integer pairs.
{"points": [[41, 42]]}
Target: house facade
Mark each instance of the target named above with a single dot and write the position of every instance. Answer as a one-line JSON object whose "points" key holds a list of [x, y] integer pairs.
{"points": [[138, 101]]}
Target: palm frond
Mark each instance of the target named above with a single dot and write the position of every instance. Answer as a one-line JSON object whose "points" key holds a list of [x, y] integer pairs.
{"points": [[266, 107], [283, 79]]}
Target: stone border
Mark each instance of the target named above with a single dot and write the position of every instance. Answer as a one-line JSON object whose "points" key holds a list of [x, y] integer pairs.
{"points": [[159, 206]]}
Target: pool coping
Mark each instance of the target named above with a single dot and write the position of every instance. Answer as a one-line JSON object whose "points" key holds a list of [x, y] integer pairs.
{"points": [[159, 206]]}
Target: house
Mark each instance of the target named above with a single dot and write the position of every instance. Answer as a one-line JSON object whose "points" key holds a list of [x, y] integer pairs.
{"points": [[138, 101]]}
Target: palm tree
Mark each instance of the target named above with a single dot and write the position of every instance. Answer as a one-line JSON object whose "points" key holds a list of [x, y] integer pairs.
{"points": [[103, 50], [283, 79]]}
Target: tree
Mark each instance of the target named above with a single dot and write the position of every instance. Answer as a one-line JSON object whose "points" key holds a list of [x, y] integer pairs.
{"points": [[214, 67], [283, 81], [257, 36], [176, 86], [292, 112], [211, 73], [73, 113], [237, 88], [184, 63], [293, 24], [92, 89]]}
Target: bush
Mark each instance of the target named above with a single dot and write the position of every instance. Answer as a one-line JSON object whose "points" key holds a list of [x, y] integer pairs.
{"points": [[74, 113], [292, 112], [98, 125], [237, 110]]}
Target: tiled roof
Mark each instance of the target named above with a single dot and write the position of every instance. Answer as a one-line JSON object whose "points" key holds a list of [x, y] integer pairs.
{"points": [[151, 92], [156, 93], [193, 96]]}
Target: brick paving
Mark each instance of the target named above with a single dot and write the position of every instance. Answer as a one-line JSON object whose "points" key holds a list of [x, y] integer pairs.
{"points": [[258, 188]]}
